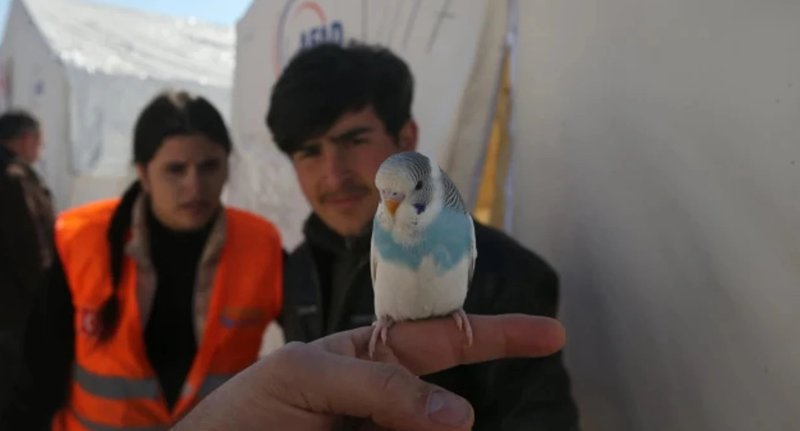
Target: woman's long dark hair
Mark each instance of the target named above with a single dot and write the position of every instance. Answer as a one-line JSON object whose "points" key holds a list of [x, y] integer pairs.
{"points": [[168, 114]]}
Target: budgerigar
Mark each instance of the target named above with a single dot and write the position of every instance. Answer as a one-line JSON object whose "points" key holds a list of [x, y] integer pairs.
{"points": [[423, 246]]}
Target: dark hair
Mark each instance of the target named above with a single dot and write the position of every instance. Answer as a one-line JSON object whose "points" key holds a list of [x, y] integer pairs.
{"points": [[168, 114], [15, 123], [323, 82]]}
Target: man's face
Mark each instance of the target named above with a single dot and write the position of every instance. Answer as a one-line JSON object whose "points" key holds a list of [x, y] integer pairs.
{"points": [[184, 181], [337, 170]]}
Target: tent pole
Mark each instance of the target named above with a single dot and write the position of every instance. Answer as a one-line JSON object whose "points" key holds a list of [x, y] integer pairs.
{"points": [[511, 45]]}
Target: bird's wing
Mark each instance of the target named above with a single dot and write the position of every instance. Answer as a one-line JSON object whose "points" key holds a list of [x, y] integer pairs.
{"points": [[473, 250], [451, 195], [373, 260]]}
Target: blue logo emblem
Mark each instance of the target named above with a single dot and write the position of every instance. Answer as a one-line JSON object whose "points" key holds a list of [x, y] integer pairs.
{"points": [[303, 24]]}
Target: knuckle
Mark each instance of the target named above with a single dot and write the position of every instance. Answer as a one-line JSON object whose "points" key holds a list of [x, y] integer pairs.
{"points": [[283, 365], [390, 377], [403, 395], [289, 356], [396, 382]]}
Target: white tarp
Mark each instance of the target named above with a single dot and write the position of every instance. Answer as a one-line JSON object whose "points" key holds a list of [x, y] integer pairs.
{"points": [[659, 148], [98, 65], [454, 49], [34, 79], [103, 125]]}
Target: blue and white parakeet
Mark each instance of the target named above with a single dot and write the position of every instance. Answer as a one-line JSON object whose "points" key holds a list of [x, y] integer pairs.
{"points": [[423, 245]]}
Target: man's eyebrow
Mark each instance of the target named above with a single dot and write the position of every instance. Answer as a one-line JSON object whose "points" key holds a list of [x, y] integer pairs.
{"points": [[209, 160], [350, 134], [308, 145]]}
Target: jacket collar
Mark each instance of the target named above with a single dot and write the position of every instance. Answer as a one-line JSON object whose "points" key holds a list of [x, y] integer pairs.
{"points": [[318, 234], [139, 245], [138, 248], [6, 155]]}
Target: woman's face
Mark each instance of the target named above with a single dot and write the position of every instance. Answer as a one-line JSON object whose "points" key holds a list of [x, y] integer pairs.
{"points": [[184, 181]]}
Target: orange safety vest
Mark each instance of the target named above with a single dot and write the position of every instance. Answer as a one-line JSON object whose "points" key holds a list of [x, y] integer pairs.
{"points": [[113, 386]]}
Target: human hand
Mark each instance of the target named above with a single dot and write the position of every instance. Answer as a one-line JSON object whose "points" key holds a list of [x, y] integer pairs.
{"points": [[311, 386]]}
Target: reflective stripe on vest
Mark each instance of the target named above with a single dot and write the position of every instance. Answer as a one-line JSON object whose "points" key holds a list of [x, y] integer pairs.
{"points": [[122, 388], [212, 382], [94, 426], [115, 388]]}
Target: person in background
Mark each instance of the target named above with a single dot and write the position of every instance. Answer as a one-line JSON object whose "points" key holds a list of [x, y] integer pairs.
{"points": [[338, 112], [156, 298], [26, 234]]}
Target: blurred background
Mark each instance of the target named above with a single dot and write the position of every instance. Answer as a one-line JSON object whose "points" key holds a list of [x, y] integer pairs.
{"points": [[649, 150], [218, 12]]}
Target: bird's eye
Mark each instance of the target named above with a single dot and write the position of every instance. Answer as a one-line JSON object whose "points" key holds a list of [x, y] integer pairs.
{"points": [[419, 186]]}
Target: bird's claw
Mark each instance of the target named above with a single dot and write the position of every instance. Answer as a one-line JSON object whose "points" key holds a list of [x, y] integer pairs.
{"points": [[463, 323], [380, 329]]}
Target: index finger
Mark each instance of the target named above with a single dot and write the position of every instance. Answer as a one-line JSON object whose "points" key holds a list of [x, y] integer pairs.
{"points": [[428, 346]]}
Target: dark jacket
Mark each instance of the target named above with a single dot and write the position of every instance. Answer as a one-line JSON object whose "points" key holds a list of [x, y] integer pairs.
{"points": [[26, 251], [26, 236], [328, 289]]}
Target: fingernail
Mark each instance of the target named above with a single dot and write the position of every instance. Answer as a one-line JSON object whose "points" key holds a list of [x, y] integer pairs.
{"points": [[447, 409]]}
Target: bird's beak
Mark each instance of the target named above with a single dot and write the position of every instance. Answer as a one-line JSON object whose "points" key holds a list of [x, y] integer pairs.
{"points": [[392, 200], [392, 205]]}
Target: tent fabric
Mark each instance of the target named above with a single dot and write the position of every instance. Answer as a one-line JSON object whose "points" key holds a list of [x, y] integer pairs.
{"points": [[463, 155], [103, 125], [108, 39], [453, 48], [34, 79], [87, 69], [491, 201], [657, 166]]}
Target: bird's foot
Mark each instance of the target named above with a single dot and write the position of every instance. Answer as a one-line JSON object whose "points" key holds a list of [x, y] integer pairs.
{"points": [[379, 328], [463, 324]]}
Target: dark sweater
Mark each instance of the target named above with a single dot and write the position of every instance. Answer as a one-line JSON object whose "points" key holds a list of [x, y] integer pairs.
{"points": [[169, 335]]}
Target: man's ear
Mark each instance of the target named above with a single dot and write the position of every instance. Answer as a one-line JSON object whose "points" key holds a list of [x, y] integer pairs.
{"points": [[141, 172], [408, 136]]}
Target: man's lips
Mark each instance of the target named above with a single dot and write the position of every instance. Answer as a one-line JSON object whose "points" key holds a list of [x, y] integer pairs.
{"points": [[345, 200]]}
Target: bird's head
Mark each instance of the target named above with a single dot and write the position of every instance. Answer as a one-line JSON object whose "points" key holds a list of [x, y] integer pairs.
{"points": [[408, 184]]}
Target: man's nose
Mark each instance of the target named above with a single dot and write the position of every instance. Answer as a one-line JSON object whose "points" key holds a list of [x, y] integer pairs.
{"points": [[336, 167]]}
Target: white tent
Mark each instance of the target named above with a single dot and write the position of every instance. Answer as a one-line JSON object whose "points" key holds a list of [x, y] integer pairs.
{"points": [[87, 69], [659, 146], [454, 48]]}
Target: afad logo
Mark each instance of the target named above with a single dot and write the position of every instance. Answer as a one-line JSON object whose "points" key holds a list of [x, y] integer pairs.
{"points": [[232, 317], [302, 24]]}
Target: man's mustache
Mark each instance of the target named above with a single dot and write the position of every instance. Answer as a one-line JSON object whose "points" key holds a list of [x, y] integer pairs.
{"points": [[195, 203], [347, 190]]}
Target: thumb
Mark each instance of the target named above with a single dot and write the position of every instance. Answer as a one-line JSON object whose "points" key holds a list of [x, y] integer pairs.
{"points": [[399, 400], [388, 394]]}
